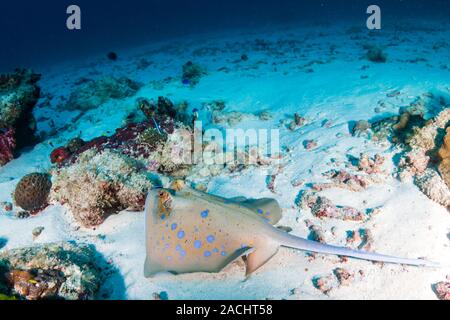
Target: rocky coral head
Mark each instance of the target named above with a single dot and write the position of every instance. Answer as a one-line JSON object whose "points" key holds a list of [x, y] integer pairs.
{"points": [[115, 182], [32, 191], [51, 271]]}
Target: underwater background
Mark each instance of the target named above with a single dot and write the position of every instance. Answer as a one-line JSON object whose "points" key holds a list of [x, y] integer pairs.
{"points": [[34, 33], [93, 119]]}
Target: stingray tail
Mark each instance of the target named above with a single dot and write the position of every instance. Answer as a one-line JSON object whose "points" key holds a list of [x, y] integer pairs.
{"points": [[291, 241]]}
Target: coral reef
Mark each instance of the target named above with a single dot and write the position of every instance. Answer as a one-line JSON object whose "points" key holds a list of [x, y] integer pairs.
{"points": [[134, 140], [232, 162], [31, 193], [93, 93], [18, 96], [400, 129], [115, 168], [7, 146], [444, 154], [50, 271], [192, 73], [428, 146], [173, 157], [115, 182], [164, 108], [75, 144], [434, 187]]}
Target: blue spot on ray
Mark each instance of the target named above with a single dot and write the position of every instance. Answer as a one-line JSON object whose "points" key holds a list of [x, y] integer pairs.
{"points": [[215, 250], [210, 238], [205, 213], [180, 234], [173, 226], [260, 211], [223, 253], [197, 244], [207, 253]]}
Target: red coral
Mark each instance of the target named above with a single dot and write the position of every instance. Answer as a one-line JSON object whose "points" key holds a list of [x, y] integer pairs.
{"points": [[123, 140], [59, 155], [7, 145], [97, 143]]}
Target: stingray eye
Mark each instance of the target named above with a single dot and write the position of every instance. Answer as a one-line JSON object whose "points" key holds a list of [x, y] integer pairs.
{"points": [[161, 193]]}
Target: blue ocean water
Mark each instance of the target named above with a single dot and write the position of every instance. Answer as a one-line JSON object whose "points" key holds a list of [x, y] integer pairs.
{"points": [[34, 33]]}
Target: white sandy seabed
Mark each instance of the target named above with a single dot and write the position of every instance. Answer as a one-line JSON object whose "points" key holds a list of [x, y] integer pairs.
{"points": [[339, 89]]}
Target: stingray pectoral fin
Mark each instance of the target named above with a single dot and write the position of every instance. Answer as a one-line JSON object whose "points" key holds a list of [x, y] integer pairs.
{"points": [[269, 209], [245, 251], [238, 199], [259, 257], [151, 268]]}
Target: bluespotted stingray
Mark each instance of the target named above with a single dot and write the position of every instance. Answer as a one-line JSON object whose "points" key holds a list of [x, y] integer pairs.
{"points": [[191, 231]]}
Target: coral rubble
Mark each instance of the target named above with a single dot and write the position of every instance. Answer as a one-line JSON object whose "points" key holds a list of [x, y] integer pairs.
{"points": [[322, 207], [345, 180]]}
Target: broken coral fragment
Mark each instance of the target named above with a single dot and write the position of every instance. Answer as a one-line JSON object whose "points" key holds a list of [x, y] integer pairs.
{"points": [[322, 207], [442, 290], [345, 180], [344, 276]]}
